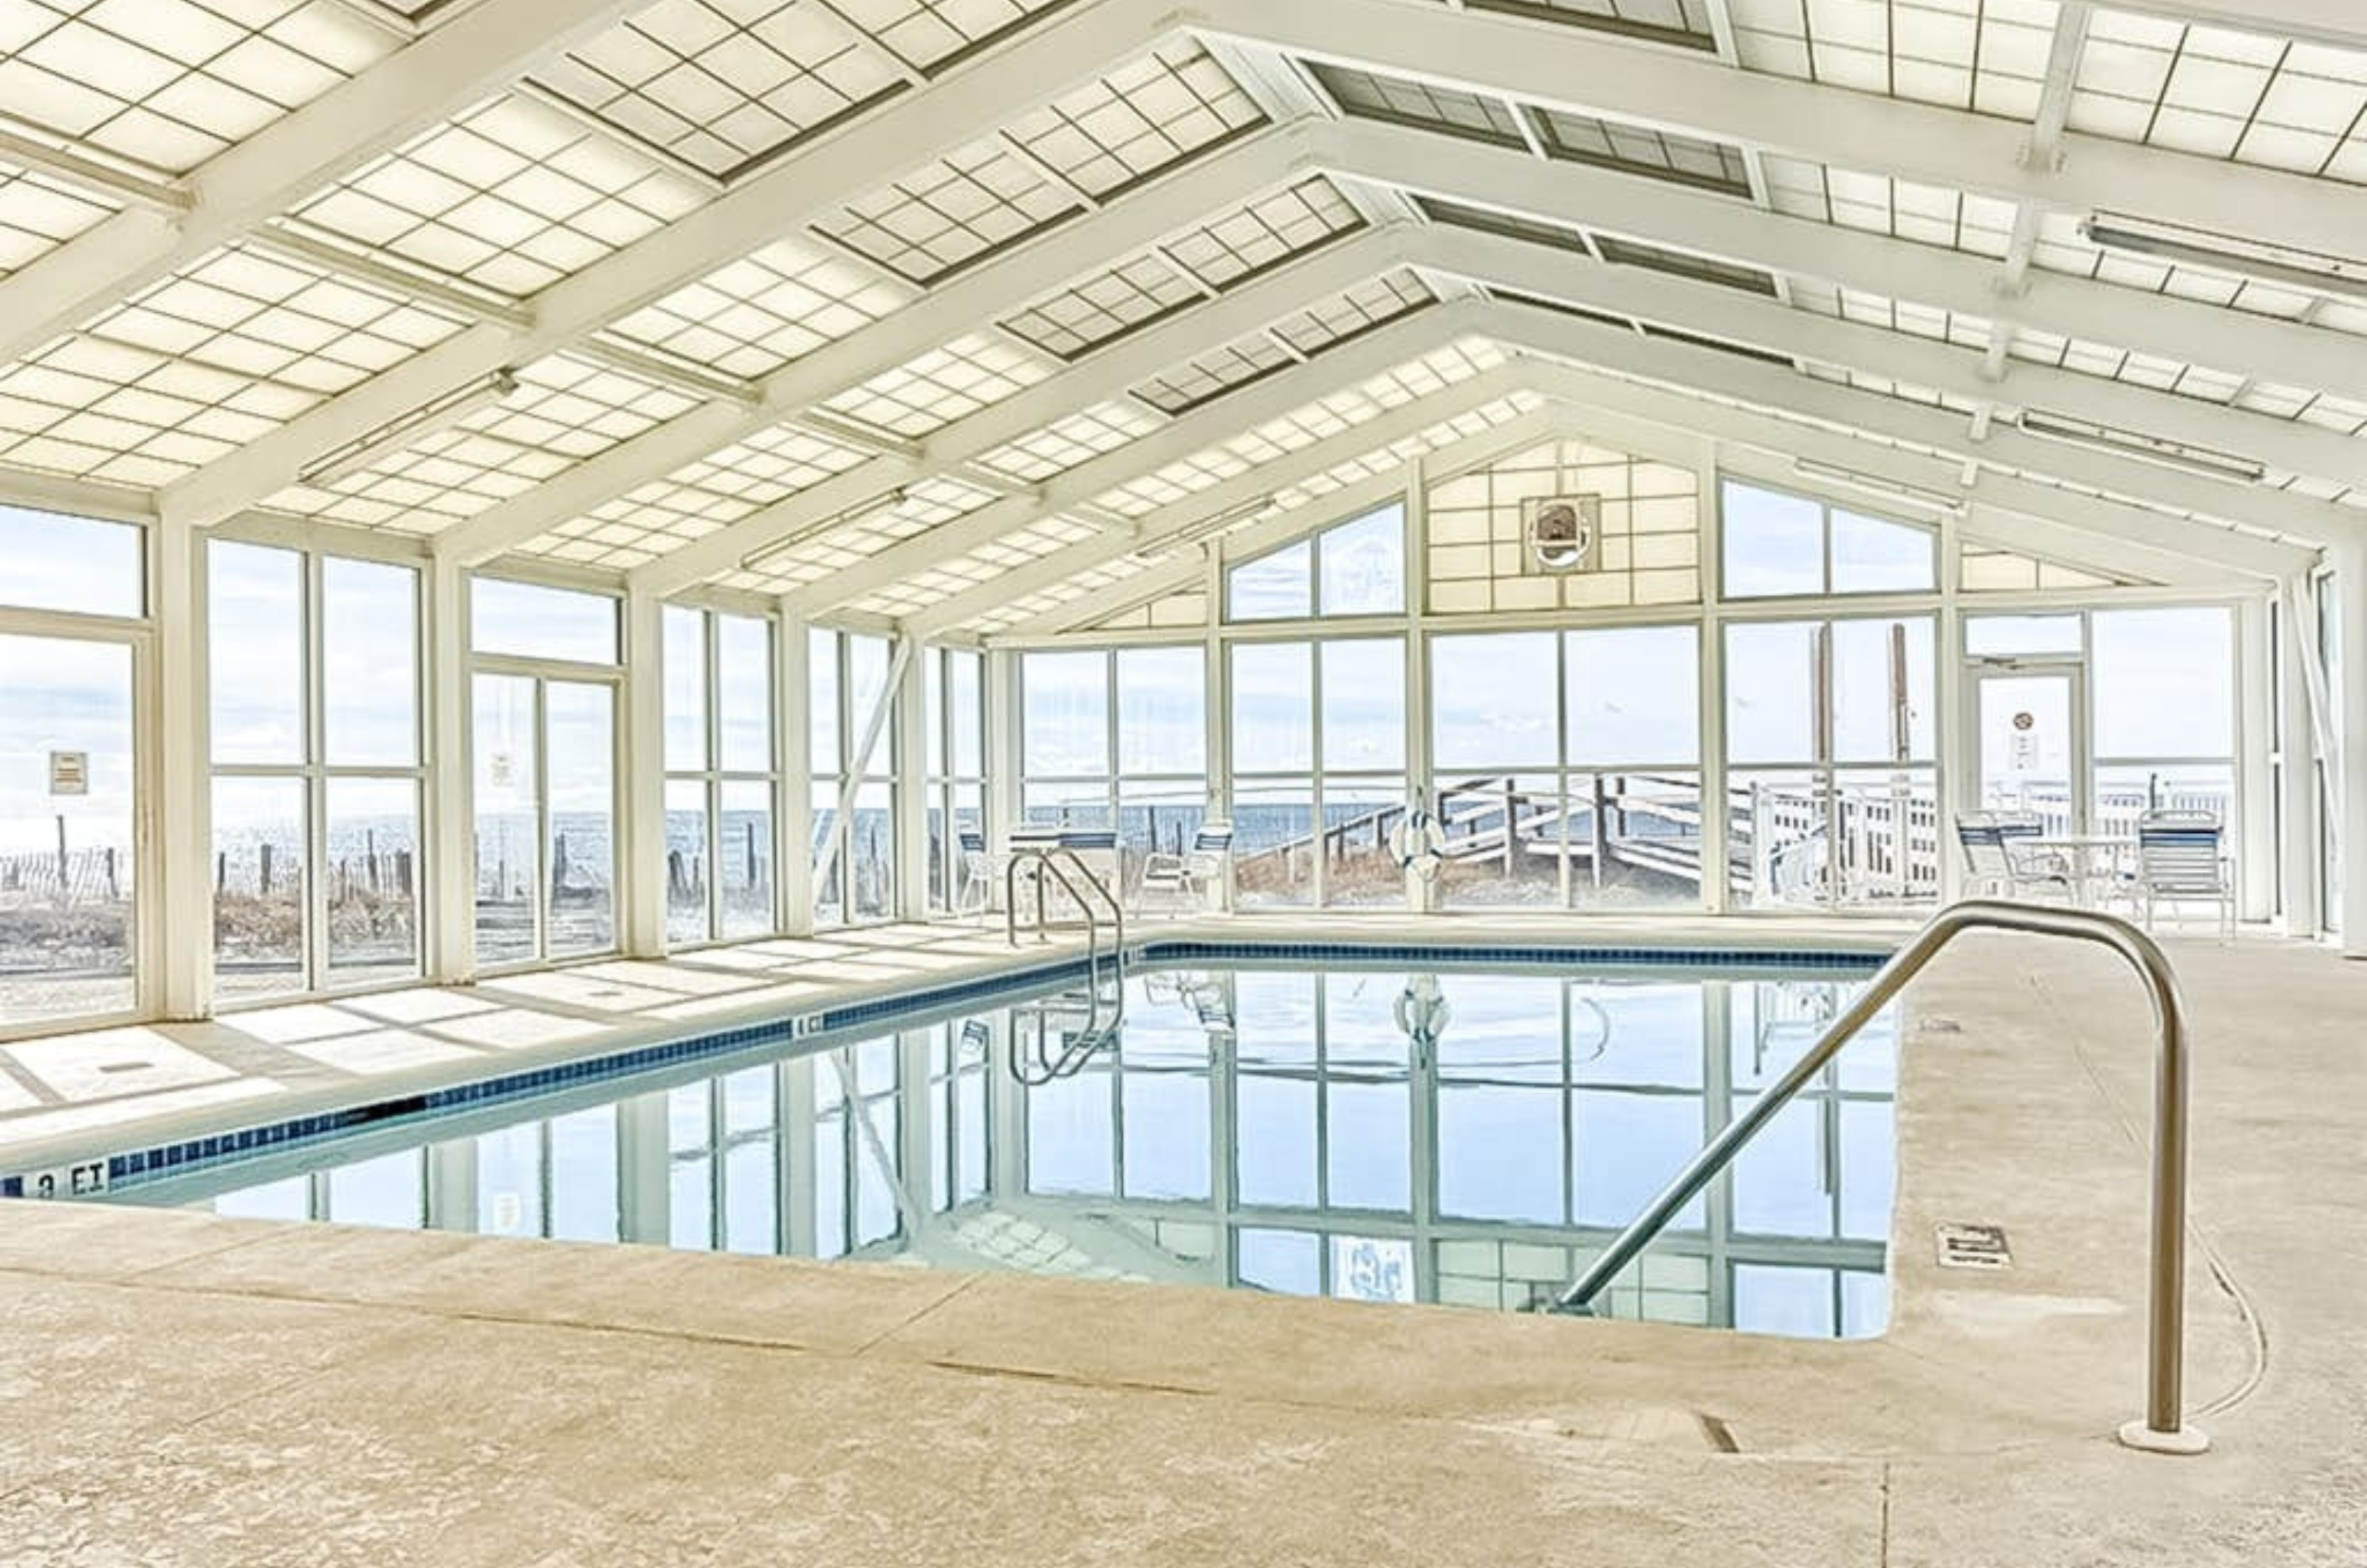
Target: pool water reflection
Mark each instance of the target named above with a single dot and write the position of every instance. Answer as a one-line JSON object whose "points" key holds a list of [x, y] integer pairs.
{"points": [[1460, 1136]]}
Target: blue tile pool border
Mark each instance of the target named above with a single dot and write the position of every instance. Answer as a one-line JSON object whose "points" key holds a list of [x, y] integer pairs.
{"points": [[185, 1155]]}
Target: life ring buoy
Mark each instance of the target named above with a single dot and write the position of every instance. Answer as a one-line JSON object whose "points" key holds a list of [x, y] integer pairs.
{"points": [[1418, 842]]}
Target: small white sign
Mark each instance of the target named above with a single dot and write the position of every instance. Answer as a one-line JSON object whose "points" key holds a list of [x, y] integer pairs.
{"points": [[503, 770], [69, 773], [1971, 1247], [84, 1181]]}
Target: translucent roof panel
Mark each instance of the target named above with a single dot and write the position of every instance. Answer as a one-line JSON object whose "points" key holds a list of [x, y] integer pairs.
{"points": [[1105, 307], [1988, 56], [1638, 150], [565, 410], [39, 214], [168, 83], [1682, 22], [2062, 248], [202, 363], [1211, 375], [1065, 443], [1091, 143], [1893, 315], [929, 33], [1685, 264], [696, 499], [1930, 215], [1488, 220], [924, 506], [942, 385], [1390, 460], [1303, 426], [1353, 311], [760, 313], [724, 85], [961, 573], [1368, 95], [1266, 232], [2222, 93], [512, 196]]}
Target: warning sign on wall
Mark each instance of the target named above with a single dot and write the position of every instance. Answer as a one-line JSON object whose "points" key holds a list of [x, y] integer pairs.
{"points": [[69, 773]]}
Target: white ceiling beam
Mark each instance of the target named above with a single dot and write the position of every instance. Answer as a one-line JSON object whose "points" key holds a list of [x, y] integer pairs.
{"points": [[1165, 528], [1071, 46], [2338, 22], [1694, 92], [1096, 378], [71, 162], [1233, 413], [1189, 568], [2091, 531], [456, 64], [1731, 313], [1713, 375], [1478, 175]]}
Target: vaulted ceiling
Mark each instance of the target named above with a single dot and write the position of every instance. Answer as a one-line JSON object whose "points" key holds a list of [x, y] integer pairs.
{"points": [[980, 314]]}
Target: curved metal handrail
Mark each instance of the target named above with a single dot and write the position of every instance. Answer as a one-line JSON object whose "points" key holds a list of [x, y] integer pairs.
{"points": [[1049, 858], [2160, 1429]]}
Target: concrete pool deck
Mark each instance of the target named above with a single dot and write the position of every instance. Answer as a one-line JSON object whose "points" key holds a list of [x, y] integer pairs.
{"points": [[180, 1388]]}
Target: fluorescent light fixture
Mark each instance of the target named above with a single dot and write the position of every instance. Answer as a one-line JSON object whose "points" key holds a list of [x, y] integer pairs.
{"points": [[1898, 493], [862, 512], [367, 450], [2262, 259], [2183, 456]]}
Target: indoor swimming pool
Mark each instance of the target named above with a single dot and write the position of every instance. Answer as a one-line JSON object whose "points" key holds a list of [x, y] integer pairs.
{"points": [[1434, 1133]]}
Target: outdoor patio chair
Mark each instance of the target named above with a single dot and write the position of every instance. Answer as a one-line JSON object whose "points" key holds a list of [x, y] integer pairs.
{"points": [[2180, 860], [1186, 878]]}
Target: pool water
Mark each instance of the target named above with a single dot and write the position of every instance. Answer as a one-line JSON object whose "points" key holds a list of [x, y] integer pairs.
{"points": [[1455, 1135]]}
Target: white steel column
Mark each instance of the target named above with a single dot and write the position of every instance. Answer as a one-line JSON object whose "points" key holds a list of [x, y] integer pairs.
{"points": [[2255, 835], [1717, 885], [1001, 699], [2296, 742], [642, 832], [793, 842], [450, 901], [2350, 727], [908, 796], [1421, 892], [176, 936], [1217, 708], [1953, 780]]}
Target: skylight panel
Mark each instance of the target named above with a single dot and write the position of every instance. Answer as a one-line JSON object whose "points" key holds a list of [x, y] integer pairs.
{"points": [[1893, 315], [1488, 220], [1685, 264], [2062, 248], [203, 362], [564, 411], [512, 196], [933, 33], [1211, 375], [1637, 150], [39, 214], [1137, 120], [1368, 95], [953, 211], [1064, 444], [982, 564], [169, 84], [1879, 204], [725, 83], [1105, 307], [942, 386], [1265, 233], [2224, 94], [925, 505], [1332, 322], [697, 499], [1682, 22], [765, 312]]}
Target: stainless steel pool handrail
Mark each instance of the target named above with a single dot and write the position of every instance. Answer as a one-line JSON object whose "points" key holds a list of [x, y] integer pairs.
{"points": [[2160, 1430], [1049, 858]]}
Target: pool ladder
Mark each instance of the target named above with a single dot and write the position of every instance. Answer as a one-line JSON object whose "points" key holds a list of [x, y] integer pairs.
{"points": [[2161, 1430], [1047, 1041]]}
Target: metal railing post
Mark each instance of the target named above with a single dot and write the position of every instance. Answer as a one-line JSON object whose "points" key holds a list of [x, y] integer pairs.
{"points": [[2160, 1430]]}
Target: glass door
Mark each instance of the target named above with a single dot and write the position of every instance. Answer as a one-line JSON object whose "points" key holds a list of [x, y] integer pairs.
{"points": [[545, 773], [67, 829], [2033, 748]]}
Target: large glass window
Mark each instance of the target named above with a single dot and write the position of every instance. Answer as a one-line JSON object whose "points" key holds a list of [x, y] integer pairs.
{"points": [[79, 565], [543, 740], [1119, 738], [2164, 683], [1778, 543], [313, 667], [954, 688], [854, 860], [1831, 746], [1566, 766], [1318, 770], [723, 778], [1356, 567]]}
